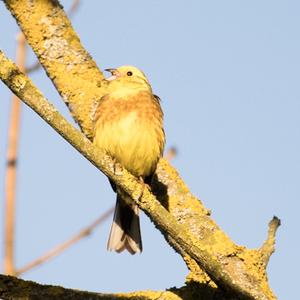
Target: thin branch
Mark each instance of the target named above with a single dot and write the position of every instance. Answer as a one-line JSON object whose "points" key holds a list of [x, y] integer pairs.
{"points": [[240, 282], [34, 67], [11, 167], [77, 237], [65, 245], [73, 9], [268, 248], [171, 153], [13, 138]]}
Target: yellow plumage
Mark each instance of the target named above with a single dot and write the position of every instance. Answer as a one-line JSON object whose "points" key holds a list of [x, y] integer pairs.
{"points": [[129, 127]]}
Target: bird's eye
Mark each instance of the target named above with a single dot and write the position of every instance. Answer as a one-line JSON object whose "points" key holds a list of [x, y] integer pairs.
{"points": [[129, 73]]}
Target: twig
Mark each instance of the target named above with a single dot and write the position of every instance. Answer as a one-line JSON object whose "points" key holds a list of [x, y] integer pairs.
{"points": [[33, 68], [268, 248], [67, 244], [13, 138], [171, 154], [10, 180], [74, 7], [77, 237]]}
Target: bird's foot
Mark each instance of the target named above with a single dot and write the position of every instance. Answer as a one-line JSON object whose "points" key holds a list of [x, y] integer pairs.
{"points": [[141, 179], [117, 167]]}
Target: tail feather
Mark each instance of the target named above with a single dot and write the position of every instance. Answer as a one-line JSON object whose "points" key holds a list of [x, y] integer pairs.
{"points": [[125, 231]]}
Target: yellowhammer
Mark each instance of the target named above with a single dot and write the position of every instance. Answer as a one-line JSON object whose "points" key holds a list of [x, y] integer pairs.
{"points": [[129, 127]]}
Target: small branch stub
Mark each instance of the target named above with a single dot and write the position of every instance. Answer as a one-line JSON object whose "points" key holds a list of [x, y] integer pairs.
{"points": [[268, 247]]}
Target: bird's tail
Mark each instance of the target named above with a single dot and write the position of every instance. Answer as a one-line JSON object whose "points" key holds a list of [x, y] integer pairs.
{"points": [[125, 230]]}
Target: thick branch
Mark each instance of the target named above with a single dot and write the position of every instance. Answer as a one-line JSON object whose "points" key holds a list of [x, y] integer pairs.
{"points": [[14, 288], [204, 254]]}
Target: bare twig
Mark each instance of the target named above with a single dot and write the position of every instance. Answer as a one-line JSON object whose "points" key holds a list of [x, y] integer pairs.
{"points": [[74, 7], [34, 67], [67, 244], [268, 248], [171, 153], [13, 137], [10, 180]]}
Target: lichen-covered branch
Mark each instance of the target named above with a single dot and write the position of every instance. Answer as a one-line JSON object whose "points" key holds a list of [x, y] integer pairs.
{"points": [[213, 259], [13, 288], [205, 250], [58, 48]]}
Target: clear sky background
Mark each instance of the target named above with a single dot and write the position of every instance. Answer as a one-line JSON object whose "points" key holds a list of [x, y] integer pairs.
{"points": [[228, 75]]}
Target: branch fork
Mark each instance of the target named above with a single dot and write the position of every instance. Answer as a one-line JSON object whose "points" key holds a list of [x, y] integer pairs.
{"points": [[236, 272]]}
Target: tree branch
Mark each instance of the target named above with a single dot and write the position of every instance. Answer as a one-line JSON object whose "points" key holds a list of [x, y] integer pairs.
{"points": [[183, 220], [50, 34], [176, 234], [13, 288]]}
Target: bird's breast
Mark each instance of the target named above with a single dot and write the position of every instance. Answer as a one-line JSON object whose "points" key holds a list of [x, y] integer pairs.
{"points": [[132, 137]]}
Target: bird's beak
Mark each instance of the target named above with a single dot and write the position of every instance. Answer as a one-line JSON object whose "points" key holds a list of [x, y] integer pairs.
{"points": [[114, 74]]}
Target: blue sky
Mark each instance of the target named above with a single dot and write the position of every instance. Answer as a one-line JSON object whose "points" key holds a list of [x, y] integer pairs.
{"points": [[228, 75]]}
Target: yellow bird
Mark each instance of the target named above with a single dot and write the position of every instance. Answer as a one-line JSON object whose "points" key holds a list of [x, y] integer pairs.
{"points": [[128, 125]]}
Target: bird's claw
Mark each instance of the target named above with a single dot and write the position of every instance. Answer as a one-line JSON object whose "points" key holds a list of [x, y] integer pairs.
{"points": [[117, 168]]}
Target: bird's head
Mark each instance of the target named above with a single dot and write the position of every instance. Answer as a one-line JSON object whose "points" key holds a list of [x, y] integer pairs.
{"points": [[128, 75]]}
